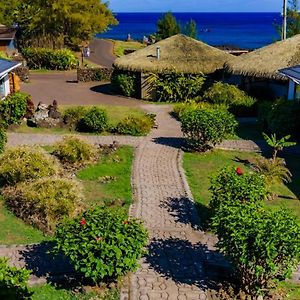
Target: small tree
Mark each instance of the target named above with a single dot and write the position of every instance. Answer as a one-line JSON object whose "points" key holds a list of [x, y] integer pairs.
{"points": [[167, 26], [190, 29]]}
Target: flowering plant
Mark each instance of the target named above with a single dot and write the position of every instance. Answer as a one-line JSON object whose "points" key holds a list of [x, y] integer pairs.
{"points": [[102, 243]]}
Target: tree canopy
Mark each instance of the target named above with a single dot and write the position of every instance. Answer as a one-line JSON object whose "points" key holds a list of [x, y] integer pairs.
{"points": [[293, 18], [168, 26], [56, 23]]}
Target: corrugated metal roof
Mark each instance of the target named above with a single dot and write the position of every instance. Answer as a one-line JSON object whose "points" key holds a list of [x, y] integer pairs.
{"points": [[292, 72], [6, 65]]}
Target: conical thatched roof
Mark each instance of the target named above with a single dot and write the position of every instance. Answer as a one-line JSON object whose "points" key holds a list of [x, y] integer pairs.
{"points": [[265, 62], [179, 53]]}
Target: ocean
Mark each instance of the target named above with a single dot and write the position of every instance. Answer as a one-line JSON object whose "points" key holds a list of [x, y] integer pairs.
{"points": [[243, 30]]}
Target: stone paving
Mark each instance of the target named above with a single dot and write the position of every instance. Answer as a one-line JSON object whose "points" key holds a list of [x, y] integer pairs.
{"points": [[181, 263]]}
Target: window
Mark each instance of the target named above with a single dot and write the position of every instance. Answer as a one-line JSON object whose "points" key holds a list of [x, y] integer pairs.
{"points": [[2, 88]]}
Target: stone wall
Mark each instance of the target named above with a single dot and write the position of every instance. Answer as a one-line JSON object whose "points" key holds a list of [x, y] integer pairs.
{"points": [[94, 74], [23, 73]]}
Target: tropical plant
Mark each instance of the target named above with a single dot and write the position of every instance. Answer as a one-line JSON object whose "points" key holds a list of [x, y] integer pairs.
{"points": [[204, 128], [124, 83], [45, 202], [13, 282], [74, 150], [102, 243], [263, 246], [176, 87], [277, 144], [26, 163]]}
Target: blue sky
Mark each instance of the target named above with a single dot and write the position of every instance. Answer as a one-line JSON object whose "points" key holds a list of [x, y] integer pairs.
{"points": [[196, 5]]}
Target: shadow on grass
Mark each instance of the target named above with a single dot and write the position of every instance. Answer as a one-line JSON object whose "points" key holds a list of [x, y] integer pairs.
{"points": [[187, 263]]}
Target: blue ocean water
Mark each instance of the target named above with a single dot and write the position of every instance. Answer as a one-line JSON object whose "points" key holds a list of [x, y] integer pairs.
{"points": [[244, 30]]}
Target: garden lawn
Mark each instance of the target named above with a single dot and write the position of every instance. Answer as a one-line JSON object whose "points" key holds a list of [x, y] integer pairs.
{"points": [[115, 114], [109, 181], [120, 46], [14, 230], [200, 167], [117, 192], [50, 292]]}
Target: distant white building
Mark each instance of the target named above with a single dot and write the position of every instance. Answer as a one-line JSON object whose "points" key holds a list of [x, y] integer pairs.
{"points": [[293, 74], [6, 66]]}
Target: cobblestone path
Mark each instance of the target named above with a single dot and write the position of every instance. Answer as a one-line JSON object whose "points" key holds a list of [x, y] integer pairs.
{"points": [[181, 262]]}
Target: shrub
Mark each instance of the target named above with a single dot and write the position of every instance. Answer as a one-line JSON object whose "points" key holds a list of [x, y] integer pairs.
{"points": [[3, 139], [13, 108], [73, 150], [136, 126], [177, 87], [125, 83], [13, 281], [281, 117], [227, 94], [25, 163], [102, 243], [45, 58], [95, 120], [232, 186], [207, 127], [73, 115], [263, 246], [44, 202]]}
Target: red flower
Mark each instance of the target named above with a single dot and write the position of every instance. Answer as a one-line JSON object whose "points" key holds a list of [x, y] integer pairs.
{"points": [[82, 221], [239, 171], [126, 222]]}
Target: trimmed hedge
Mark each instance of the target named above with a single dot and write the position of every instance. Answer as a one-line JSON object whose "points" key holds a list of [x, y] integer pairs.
{"points": [[45, 58]]}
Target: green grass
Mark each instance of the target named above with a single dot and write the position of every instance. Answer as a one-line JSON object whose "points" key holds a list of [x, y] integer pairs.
{"points": [[50, 292], [120, 46], [117, 192], [200, 167], [118, 165], [115, 114], [15, 231], [291, 290]]}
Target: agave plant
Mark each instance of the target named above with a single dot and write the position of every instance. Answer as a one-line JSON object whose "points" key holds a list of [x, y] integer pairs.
{"points": [[277, 144]]}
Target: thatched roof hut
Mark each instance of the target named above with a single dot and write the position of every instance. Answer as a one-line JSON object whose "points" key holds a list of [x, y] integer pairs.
{"points": [[180, 53], [265, 62]]}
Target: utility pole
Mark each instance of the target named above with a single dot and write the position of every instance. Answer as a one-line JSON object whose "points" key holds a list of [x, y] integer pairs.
{"points": [[284, 21]]}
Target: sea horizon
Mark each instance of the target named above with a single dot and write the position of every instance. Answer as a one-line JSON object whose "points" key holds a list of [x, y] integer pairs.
{"points": [[246, 30]]}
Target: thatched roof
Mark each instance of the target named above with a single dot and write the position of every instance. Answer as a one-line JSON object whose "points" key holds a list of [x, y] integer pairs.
{"points": [[265, 62], [179, 53]]}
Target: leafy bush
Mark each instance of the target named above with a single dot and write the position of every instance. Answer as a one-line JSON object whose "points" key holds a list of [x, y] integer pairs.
{"points": [[181, 108], [206, 127], [73, 150], [102, 243], [73, 115], [13, 281], [232, 186], [177, 87], [13, 108], [44, 202], [125, 83], [45, 58], [263, 246], [3, 139], [25, 163], [227, 94], [95, 120], [133, 125], [281, 117]]}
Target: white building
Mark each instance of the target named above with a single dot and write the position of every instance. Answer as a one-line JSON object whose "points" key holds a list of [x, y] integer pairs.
{"points": [[293, 74], [6, 66]]}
